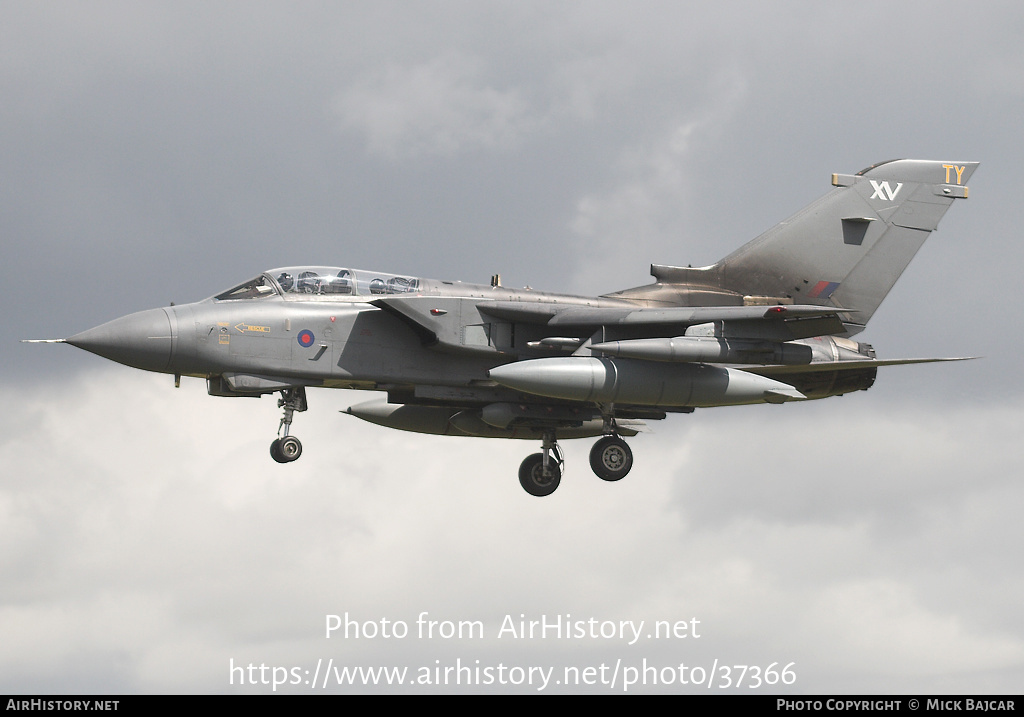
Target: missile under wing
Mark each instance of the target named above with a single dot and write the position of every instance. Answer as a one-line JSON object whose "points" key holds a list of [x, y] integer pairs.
{"points": [[770, 323]]}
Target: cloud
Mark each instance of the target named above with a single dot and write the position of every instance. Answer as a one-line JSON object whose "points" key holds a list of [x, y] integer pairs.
{"points": [[148, 538], [657, 187], [442, 106], [153, 540]]}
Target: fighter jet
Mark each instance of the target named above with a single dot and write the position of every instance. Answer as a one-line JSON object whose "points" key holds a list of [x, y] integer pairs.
{"points": [[770, 323]]}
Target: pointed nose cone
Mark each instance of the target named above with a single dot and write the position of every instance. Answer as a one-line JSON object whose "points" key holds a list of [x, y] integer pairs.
{"points": [[142, 340]]}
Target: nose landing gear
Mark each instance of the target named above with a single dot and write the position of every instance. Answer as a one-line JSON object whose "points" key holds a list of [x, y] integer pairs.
{"points": [[287, 448]]}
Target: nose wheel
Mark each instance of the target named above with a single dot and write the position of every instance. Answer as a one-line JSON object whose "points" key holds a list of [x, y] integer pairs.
{"points": [[287, 448]]}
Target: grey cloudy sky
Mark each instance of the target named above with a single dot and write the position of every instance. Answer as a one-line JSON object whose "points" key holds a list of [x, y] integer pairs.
{"points": [[157, 152]]}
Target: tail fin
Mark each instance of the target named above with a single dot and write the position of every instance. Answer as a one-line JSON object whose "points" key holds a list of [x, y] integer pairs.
{"points": [[848, 248]]}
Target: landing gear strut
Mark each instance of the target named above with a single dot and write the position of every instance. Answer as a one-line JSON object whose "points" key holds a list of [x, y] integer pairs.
{"points": [[287, 448], [541, 473]]}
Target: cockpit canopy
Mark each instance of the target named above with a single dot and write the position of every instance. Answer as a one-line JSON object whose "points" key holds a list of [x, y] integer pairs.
{"points": [[321, 281]]}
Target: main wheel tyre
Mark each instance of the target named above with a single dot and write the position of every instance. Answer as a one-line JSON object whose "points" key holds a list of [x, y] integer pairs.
{"points": [[290, 449], [611, 458], [532, 478]]}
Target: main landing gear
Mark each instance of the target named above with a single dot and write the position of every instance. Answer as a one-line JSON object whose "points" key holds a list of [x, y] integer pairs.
{"points": [[287, 448], [611, 458], [540, 474]]}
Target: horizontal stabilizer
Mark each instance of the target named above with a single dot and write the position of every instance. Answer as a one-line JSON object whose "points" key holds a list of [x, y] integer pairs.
{"points": [[775, 370]]}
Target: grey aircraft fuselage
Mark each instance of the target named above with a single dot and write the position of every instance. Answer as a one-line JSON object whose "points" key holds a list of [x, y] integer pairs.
{"points": [[768, 324]]}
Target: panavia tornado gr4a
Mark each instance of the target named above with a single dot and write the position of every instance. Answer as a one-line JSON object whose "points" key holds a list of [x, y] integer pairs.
{"points": [[769, 323]]}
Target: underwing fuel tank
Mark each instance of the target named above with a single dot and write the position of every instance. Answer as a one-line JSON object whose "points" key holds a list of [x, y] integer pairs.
{"points": [[643, 383]]}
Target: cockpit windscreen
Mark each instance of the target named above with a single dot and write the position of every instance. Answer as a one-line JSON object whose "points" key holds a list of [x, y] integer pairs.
{"points": [[334, 281], [321, 281], [257, 288]]}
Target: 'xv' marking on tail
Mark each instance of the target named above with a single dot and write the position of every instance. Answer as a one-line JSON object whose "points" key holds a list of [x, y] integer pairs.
{"points": [[884, 192]]}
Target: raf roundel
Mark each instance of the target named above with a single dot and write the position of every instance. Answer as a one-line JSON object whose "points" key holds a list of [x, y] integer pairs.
{"points": [[306, 338]]}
